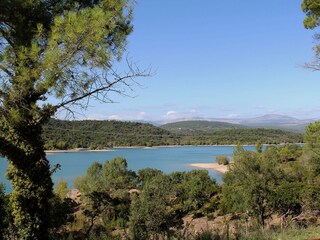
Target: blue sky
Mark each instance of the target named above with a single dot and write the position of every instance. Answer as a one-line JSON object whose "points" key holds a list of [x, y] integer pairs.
{"points": [[218, 59]]}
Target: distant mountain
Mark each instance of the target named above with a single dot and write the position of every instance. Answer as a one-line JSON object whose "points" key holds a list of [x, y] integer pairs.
{"points": [[272, 121], [204, 126], [278, 122]]}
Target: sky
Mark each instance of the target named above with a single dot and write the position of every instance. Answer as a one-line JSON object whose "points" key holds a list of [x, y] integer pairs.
{"points": [[218, 59]]}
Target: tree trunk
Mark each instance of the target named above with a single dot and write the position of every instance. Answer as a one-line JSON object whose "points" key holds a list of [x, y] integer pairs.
{"points": [[29, 172]]}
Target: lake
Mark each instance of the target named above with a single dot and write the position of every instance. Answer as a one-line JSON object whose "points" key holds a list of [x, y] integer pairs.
{"points": [[167, 159]]}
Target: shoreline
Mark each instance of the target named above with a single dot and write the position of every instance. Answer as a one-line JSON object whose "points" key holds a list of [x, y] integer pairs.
{"points": [[77, 150], [153, 147], [213, 166], [133, 147]]}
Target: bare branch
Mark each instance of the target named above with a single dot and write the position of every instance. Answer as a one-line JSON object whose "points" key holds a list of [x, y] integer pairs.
{"points": [[314, 66], [100, 90], [6, 70], [4, 35]]}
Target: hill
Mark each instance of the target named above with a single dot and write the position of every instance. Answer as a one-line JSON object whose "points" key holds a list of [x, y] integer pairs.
{"points": [[254, 135], [204, 126], [275, 121], [60, 134]]}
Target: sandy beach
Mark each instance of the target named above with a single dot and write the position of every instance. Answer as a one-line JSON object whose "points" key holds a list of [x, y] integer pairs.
{"points": [[214, 166]]}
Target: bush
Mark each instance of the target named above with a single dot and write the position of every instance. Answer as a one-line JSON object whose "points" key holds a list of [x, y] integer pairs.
{"points": [[222, 160]]}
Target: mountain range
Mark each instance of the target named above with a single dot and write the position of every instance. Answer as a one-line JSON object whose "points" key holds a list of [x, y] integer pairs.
{"points": [[275, 121]]}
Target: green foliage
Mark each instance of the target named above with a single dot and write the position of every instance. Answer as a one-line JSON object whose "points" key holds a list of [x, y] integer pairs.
{"points": [[7, 229], [312, 139], [99, 134], [312, 161], [105, 190], [288, 198], [193, 190], [151, 212], [222, 160], [165, 199], [312, 136], [61, 212], [242, 136], [146, 174], [258, 184], [116, 175], [312, 10], [290, 152], [60, 134], [63, 49], [159, 204], [61, 189], [3, 213]]}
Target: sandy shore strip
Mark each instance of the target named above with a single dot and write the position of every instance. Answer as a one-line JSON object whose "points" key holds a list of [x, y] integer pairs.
{"points": [[214, 166], [78, 150]]}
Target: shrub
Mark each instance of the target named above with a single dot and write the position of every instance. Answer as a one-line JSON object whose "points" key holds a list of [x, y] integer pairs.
{"points": [[222, 160]]}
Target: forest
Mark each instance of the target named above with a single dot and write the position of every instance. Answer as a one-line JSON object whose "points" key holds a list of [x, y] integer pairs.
{"points": [[63, 134]]}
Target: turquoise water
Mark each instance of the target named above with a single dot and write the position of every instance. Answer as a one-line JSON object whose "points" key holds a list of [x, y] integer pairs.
{"points": [[167, 159]]}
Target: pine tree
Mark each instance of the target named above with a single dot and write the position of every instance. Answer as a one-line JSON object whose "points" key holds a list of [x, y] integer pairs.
{"points": [[52, 48]]}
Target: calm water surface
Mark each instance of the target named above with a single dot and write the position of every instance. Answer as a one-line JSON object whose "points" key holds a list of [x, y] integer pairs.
{"points": [[167, 159]]}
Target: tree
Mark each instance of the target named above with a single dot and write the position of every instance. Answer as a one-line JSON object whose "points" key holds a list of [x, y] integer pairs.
{"points": [[105, 192], [60, 49], [250, 184], [117, 176], [312, 140], [146, 174], [151, 213], [193, 189], [61, 189], [2, 212], [311, 21]]}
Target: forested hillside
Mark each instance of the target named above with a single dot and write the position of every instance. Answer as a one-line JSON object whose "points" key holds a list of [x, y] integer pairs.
{"points": [[60, 134]]}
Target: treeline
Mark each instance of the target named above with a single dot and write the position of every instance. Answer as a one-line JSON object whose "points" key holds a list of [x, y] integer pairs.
{"points": [[59, 134]]}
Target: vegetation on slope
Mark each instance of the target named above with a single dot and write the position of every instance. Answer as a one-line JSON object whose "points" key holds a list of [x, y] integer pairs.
{"points": [[60, 134]]}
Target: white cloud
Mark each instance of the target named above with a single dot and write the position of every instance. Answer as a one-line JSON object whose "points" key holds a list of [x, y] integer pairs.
{"points": [[232, 115], [171, 115], [128, 117], [115, 117]]}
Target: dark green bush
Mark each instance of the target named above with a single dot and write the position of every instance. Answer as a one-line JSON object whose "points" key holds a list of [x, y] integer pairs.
{"points": [[222, 160]]}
